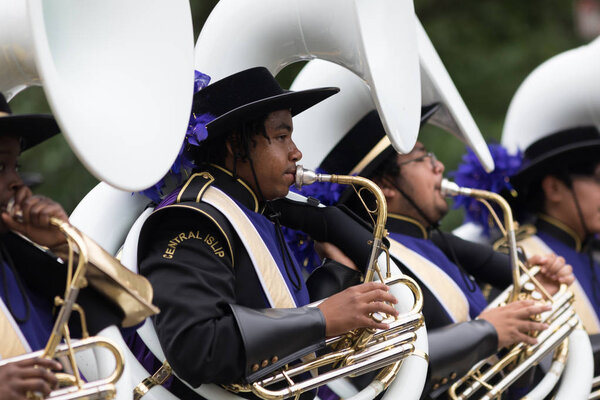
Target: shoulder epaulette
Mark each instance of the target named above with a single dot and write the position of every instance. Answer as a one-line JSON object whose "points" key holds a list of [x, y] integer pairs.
{"points": [[194, 188]]}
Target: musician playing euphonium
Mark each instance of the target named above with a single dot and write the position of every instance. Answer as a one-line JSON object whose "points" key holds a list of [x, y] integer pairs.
{"points": [[559, 197], [459, 331], [30, 277], [230, 293]]}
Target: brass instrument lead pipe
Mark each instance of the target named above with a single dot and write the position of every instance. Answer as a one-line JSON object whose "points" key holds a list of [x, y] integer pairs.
{"points": [[451, 189], [307, 177]]}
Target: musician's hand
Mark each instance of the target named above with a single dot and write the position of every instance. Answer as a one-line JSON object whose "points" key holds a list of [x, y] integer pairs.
{"points": [[34, 222], [351, 308], [30, 375], [331, 251], [554, 271], [512, 321]]}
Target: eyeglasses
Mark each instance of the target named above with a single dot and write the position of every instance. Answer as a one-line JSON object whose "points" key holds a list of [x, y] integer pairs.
{"points": [[432, 158]]}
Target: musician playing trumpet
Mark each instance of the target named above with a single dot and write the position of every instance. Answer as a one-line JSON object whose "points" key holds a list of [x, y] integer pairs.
{"points": [[231, 294], [31, 277], [460, 331]]}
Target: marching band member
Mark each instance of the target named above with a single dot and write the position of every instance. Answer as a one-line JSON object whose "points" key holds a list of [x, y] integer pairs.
{"points": [[31, 277], [214, 252], [460, 331], [558, 187]]}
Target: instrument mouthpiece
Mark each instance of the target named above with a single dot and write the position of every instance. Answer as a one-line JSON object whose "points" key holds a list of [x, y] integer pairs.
{"points": [[306, 177], [449, 189]]}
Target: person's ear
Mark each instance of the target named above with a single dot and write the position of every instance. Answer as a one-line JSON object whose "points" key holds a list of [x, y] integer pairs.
{"points": [[388, 189], [554, 189]]}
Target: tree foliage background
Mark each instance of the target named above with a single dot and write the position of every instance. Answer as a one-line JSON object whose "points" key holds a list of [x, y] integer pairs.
{"points": [[488, 47]]}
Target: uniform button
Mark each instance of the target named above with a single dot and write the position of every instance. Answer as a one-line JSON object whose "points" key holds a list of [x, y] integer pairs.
{"points": [[255, 368], [264, 363], [453, 375], [436, 386], [274, 359], [444, 381]]}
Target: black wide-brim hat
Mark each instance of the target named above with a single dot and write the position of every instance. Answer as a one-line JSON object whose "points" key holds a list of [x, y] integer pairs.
{"points": [[362, 150], [32, 129], [249, 94], [557, 151]]}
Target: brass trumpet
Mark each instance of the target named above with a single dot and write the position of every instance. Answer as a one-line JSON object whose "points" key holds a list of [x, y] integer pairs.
{"points": [[362, 350], [562, 319], [131, 293]]}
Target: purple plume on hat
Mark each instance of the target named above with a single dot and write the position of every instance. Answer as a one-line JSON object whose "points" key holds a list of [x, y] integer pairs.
{"points": [[471, 174]]}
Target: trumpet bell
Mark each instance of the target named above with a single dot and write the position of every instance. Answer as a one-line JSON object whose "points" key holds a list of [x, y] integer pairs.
{"points": [[357, 35], [120, 89]]}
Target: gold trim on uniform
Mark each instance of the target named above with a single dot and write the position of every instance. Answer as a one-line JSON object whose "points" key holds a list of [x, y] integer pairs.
{"points": [[383, 144], [202, 174], [241, 182], [563, 227], [212, 219], [4, 114], [412, 221]]}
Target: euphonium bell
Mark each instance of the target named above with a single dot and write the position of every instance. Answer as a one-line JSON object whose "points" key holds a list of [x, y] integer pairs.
{"points": [[363, 350], [562, 319]]}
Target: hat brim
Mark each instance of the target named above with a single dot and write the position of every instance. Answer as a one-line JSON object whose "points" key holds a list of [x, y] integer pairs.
{"points": [[31, 128], [426, 113], [581, 152], [296, 102]]}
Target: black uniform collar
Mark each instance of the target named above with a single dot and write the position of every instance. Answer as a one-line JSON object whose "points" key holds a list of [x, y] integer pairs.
{"points": [[558, 230], [236, 188], [407, 226]]}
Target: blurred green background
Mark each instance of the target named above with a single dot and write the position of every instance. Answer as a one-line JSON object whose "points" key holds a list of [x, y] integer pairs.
{"points": [[488, 47]]}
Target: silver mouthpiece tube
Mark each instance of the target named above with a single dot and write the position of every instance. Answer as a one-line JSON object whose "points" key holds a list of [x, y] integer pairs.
{"points": [[451, 189], [306, 177]]}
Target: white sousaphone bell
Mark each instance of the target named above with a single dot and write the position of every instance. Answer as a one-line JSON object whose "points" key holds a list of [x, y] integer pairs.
{"points": [[274, 33], [561, 93], [118, 77]]}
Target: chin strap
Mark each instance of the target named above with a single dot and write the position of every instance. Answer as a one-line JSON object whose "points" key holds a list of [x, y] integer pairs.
{"points": [[586, 245]]}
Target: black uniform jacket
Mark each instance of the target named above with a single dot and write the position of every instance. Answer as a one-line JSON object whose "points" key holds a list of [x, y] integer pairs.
{"points": [[215, 325], [43, 273]]}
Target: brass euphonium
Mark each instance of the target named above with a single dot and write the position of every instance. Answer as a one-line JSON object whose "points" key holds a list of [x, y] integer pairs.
{"points": [[130, 292], [363, 350], [562, 319]]}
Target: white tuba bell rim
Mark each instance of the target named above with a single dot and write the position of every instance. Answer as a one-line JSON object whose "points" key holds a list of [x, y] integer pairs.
{"points": [[122, 106], [360, 32]]}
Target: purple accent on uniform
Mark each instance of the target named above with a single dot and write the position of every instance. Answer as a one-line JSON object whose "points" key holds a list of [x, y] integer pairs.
{"points": [[430, 251], [580, 261], [143, 354], [38, 327], [471, 174], [169, 199], [325, 393], [266, 230]]}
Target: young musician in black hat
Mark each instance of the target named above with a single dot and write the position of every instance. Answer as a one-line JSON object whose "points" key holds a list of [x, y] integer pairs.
{"points": [[460, 332], [30, 277], [231, 295], [25, 317], [559, 185]]}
